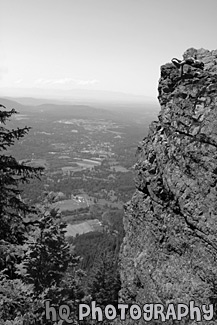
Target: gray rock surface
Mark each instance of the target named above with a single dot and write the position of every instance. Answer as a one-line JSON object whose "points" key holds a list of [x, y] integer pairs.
{"points": [[169, 254]]}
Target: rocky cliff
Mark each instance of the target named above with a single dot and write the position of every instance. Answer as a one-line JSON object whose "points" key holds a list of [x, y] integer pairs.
{"points": [[169, 254]]}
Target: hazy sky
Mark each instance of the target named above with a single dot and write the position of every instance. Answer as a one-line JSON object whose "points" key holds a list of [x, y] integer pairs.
{"points": [[114, 45]]}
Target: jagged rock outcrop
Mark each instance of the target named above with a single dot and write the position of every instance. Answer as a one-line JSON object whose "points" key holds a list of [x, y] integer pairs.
{"points": [[169, 254]]}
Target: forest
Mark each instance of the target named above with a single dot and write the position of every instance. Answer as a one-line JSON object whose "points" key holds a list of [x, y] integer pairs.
{"points": [[37, 262]]}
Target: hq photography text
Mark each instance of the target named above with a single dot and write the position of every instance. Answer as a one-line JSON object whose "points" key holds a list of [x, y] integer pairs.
{"points": [[147, 312]]}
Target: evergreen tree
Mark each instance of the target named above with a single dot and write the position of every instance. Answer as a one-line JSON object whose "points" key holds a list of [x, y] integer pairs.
{"points": [[12, 173], [14, 294], [48, 255], [105, 280]]}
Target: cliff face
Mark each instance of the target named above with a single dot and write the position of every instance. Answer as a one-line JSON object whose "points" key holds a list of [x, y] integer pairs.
{"points": [[169, 254]]}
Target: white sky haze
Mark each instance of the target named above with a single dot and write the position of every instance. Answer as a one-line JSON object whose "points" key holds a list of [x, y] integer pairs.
{"points": [[112, 45]]}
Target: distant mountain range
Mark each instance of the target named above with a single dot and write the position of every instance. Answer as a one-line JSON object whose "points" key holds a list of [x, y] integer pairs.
{"points": [[75, 95], [119, 111]]}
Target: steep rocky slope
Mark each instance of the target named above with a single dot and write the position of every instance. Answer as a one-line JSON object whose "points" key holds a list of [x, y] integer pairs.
{"points": [[169, 254]]}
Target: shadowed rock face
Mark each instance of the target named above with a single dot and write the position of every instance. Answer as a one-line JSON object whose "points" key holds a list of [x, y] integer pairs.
{"points": [[169, 254]]}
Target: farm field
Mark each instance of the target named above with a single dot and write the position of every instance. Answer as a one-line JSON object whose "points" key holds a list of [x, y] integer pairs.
{"points": [[83, 227]]}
